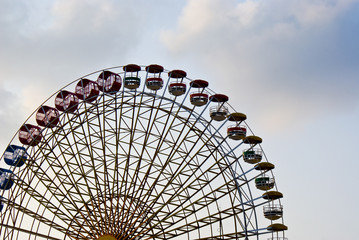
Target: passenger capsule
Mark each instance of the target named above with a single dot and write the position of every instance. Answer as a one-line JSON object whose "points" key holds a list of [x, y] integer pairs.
{"points": [[1, 204], [132, 82], [109, 82], [66, 101], [177, 88], [199, 99], [6, 179], [252, 155], [273, 212], [218, 113], [15, 155], [30, 135], [154, 84], [236, 132], [47, 116], [264, 183], [87, 90]]}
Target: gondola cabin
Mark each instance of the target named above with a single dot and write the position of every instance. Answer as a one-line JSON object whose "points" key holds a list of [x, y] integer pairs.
{"points": [[252, 156], [66, 101], [30, 135], [87, 90], [47, 116], [199, 99], [1, 204], [15, 155], [177, 88], [218, 113], [6, 179], [236, 132], [273, 212], [154, 84], [264, 183], [109, 82], [132, 82]]}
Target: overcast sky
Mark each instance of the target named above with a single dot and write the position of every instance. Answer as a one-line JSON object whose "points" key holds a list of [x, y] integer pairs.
{"points": [[291, 65]]}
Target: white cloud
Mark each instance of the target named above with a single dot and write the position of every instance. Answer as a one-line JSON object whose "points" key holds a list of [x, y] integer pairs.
{"points": [[284, 58]]}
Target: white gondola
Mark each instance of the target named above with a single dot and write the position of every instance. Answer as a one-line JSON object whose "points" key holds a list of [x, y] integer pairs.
{"points": [[264, 183], [252, 155], [273, 212], [218, 113], [132, 82]]}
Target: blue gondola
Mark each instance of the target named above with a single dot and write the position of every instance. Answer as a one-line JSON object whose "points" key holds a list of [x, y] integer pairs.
{"points": [[15, 155], [6, 179]]}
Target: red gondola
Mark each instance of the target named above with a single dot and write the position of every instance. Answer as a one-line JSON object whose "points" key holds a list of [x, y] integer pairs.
{"points": [[177, 88], [66, 101], [87, 90], [47, 116], [30, 135], [109, 82], [236, 132], [199, 99], [154, 83]]}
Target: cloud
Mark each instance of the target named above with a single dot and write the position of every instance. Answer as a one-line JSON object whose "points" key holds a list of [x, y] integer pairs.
{"points": [[287, 59], [45, 45], [55, 35]]}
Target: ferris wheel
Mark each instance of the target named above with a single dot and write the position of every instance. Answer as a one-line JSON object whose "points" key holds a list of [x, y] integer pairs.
{"points": [[138, 152]]}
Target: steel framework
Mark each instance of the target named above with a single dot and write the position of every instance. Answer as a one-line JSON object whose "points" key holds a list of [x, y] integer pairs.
{"points": [[137, 163]]}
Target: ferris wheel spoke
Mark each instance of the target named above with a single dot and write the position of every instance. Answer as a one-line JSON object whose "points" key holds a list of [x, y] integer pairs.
{"points": [[154, 157], [49, 205], [83, 143], [146, 137], [38, 217], [29, 232], [90, 141], [224, 166]]}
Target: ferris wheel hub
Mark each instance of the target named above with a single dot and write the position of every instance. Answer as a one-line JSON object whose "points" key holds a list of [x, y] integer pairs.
{"points": [[107, 237]]}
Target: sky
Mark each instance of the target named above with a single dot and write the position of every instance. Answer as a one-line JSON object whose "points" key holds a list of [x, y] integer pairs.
{"points": [[291, 65]]}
